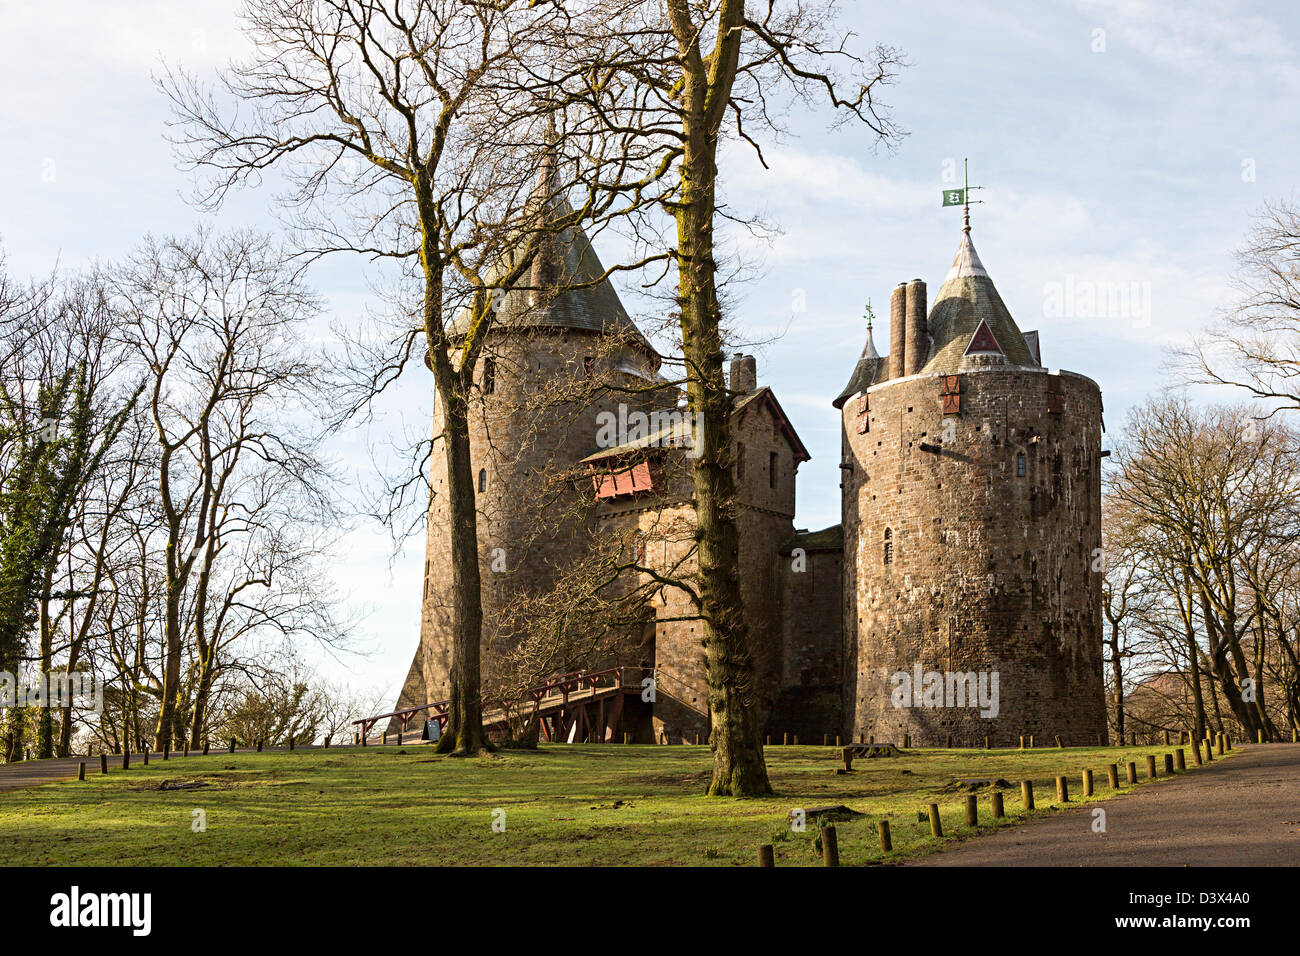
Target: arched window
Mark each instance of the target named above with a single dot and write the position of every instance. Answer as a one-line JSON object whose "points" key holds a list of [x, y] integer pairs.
{"points": [[489, 376], [889, 546], [1020, 465], [482, 480]]}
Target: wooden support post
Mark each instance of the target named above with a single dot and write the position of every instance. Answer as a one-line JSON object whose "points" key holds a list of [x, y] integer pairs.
{"points": [[769, 740], [1151, 766], [1180, 759], [627, 738], [1027, 793], [1218, 744], [936, 825], [886, 844], [697, 740], [1169, 765], [988, 742], [1031, 741], [1022, 741], [837, 740], [1112, 776], [972, 810], [948, 742], [1087, 783], [1259, 735], [766, 856], [847, 754], [785, 739], [998, 811], [81, 770], [1209, 751], [1196, 754], [795, 739], [103, 763], [907, 741], [1062, 789], [1132, 771], [830, 846]]}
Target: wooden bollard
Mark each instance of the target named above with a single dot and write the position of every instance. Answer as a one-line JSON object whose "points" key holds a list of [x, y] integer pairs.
{"points": [[1112, 776], [1196, 754], [766, 856], [907, 741], [1031, 741], [769, 740], [1169, 765], [972, 810], [1218, 744], [847, 754], [1022, 741], [1059, 745], [785, 740], [1259, 735], [936, 825], [998, 811], [103, 763], [1180, 759], [948, 742], [627, 738], [1166, 738], [384, 743], [1151, 766], [1062, 789], [1027, 793], [1087, 783], [886, 844], [697, 740], [1132, 771], [837, 740], [830, 846], [794, 738], [81, 770], [826, 740], [988, 742], [1209, 751]]}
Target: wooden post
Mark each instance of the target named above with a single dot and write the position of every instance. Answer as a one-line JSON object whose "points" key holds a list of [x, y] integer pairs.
{"points": [[1132, 772], [1218, 744], [785, 740], [826, 740], [766, 857], [1022, 741], [697, 740], [1151, 766], [1132, 738], [81, 770], [1112, 776], [988, 742], [1087, 783], [103, 763], [936, 825], [1196, 753], [1062, 789], [1027, 793], [627, 738], [830, 846], [1166, 738], [1169, 765], [1259, 735], [1031, 741], [1209, 751], [886, 844], [1057, 738], [837, 740], [907, 741], [795, 739], [847, 754], [232, 745], [998, 811], [383, 744], [948, 742], [1180, 759], [972, 810], [769, 740]]}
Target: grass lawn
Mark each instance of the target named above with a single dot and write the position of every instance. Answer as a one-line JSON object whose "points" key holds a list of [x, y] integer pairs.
{"points": [[562, 804]]}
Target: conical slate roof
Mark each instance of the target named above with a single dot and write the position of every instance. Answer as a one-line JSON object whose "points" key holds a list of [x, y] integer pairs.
{"points": [[966, 301], [870, 369], [567, 259]]}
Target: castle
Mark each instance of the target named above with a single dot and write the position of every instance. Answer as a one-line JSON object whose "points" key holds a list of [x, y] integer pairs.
{"points": [[959, 598]]}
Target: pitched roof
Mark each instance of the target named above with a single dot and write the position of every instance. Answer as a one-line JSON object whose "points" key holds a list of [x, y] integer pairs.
{"points": [[966, 299], [870, 369], [566, 260], [828, 539]]}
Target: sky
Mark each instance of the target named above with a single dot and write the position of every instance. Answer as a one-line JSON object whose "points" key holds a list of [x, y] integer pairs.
{"points": [[1121, 146]]}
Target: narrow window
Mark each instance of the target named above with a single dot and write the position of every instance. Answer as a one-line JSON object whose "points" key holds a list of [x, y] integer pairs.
{"points": [[889, 546], [1020, 465], [482, 480], [740, 461], [489, 376], [771, 469]]}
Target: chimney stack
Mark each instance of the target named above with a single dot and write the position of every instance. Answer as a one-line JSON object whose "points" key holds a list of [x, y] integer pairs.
{"points": [[918, 336], [897, 330], [744, 373]]}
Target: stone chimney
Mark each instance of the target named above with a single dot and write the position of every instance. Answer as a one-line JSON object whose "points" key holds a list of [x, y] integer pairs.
{"points": [[897, 330], [744, 373], [917, 348]]}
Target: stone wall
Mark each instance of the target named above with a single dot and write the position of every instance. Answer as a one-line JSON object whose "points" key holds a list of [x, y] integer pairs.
{"points": [[987, 570]]}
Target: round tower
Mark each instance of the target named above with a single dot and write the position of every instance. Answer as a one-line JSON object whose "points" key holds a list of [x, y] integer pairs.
{"points": [[971, 505]]}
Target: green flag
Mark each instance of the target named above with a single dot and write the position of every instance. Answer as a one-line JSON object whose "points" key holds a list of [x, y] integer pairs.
{"points": [[954, 197]]}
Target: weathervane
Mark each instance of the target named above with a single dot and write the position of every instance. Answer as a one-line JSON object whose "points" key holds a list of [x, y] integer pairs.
{"points": [[961, 197]]}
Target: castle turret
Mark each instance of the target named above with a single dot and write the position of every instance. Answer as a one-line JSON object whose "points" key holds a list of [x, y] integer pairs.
{"points": [[898, 330], [918, 339], [971, 517]]}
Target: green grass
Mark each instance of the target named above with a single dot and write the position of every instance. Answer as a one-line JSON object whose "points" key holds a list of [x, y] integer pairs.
{"points": [[563, 804]]}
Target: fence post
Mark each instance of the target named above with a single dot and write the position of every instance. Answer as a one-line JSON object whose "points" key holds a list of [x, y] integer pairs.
{"points": [[1087, 783], [1027, 793], [830, 846], [1151, 766], [1062, 789], [998, 811], [886, 844], [936, 825], [972, 811], [1180, 759], [1132, 771], [1169, 765], [1112, 776]]}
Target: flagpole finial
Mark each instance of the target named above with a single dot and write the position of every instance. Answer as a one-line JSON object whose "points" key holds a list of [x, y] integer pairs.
{"points": [[965, 195]]}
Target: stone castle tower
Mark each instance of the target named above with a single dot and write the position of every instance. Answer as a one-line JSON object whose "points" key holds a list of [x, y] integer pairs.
{"points": [[970, 518], [971, 504]]}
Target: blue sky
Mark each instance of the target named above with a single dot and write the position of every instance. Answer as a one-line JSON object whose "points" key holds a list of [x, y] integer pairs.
{"points": [[1122, 144]]}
